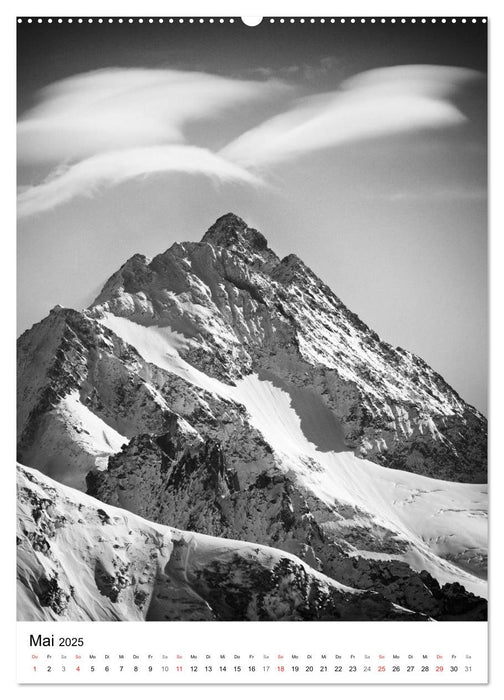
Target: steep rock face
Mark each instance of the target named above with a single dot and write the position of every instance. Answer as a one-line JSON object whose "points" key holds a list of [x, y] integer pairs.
{"points": [[80, 561], [241, 309], [197, 491], [81, 396], [231, 307], [222, 390]]}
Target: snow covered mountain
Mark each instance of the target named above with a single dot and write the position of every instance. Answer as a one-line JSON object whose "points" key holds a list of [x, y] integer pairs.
{"points": [[222, 390], [78, 561]]}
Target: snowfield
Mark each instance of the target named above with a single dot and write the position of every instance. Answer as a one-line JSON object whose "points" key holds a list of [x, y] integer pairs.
{"points": [[444, 522], [74, 441], [79, 559], [216, 396]]}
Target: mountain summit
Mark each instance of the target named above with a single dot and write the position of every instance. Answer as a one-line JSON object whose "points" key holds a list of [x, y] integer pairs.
{"points": [[221, 390], [230, 230]]}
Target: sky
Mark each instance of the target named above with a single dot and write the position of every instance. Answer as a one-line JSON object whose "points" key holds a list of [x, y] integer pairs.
{"points": [[361, 148]]}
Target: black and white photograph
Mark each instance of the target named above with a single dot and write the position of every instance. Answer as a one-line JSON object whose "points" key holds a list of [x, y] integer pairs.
{"points": [[252, 304]]}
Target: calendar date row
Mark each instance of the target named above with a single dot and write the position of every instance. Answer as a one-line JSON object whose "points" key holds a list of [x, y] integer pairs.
{"points": [[303, 668]]}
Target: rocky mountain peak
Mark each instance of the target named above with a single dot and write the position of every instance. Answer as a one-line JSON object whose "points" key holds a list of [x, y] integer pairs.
{"points": [[230, 231], [226, 392], [290, 268]]}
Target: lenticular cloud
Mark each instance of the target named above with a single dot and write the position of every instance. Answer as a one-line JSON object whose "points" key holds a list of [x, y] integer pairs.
{"points": [[98, 129], [107, 169], [110, 109], [372, 104]]}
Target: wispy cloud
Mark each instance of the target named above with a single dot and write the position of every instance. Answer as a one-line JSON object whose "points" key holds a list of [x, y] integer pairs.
{"points": [[440, 194], [93, 174], [97, 129], [109, 109], [300, 72], [376, 103]]}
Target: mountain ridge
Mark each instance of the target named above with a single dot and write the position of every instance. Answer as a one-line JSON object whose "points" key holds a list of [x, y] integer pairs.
{"points": [[283, 296], [219, 389], [134, 569]]}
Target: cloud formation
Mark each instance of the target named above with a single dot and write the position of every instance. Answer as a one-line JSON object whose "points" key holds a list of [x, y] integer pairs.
{"points": [[110, 109], [98, 129], [93, 174], [376, 103]]}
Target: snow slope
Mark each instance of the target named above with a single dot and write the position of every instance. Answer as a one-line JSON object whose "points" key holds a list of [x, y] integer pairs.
{"points": [[81, 560], [242, 309], [74, 440], [444, 522], [221, 390]]}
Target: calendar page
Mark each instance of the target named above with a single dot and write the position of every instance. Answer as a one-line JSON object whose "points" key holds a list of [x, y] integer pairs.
{"points": [[252, 350]]}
